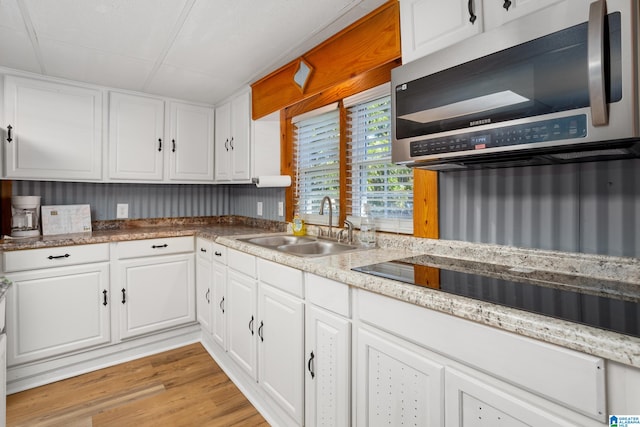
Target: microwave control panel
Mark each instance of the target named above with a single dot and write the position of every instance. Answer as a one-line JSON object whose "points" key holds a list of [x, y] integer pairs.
{"points": [[527, 133]]}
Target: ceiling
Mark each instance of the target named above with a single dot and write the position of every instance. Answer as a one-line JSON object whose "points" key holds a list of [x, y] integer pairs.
{"points": [[197, 50]]}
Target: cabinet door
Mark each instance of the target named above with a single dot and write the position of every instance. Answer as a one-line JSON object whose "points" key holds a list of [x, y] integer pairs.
{"points": [[495, 14], [281, 349], [222, 138], [242, 322], [431, 25], [56, 130], [219, 303], [155, 293], [240, 137], [471, 402], [397, 384], [136, 137], [328, 373], [191, 146], [204, 294], [51, 312]]}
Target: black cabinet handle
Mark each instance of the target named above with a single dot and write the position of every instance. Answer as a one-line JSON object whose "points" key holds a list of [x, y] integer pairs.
{"points": [[251, 325], [58, 256], [104, 297], [203, 250], [206, 296], [173, 145], [9, 139], [472, 15], [218, 253], [506, 4], [260, 331], [159, 144], [124, 296], [226, 142], [159, 246], [310, 365], [222, 308], [231, 143]]}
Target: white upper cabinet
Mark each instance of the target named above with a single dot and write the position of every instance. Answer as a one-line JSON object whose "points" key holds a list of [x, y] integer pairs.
{"points": [[232, 139], [136, 137], [430, 25], [154, 140], [498, 12], [55, 130], [191, 146]]}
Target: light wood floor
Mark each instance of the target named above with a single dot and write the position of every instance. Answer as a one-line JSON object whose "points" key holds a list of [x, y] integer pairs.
{"points": [[182, 387]]}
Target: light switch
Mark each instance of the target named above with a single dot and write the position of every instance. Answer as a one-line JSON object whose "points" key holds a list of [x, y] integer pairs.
{"points": [[259, 208], [280, 208]]}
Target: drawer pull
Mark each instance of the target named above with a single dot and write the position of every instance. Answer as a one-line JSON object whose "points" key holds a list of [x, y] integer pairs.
{"points": [[203, 250], [260, 331], [206, 296], [104, 297], [124, 296], [58, 256], [159, 246], [222, 307], [251, 325], [9, 139], [310, 365], [218, 253]]}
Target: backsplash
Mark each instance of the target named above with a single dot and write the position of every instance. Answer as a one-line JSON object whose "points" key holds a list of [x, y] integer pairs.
{"points": [[157, 200], [588, 207]]}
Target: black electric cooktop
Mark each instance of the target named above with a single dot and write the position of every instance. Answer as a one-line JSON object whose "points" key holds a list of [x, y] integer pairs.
{"points": [[607, 305]]}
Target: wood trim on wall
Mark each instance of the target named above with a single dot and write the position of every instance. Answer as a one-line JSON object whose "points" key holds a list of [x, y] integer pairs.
{"points": [[5, 207], [425, 204], [359, 48]]}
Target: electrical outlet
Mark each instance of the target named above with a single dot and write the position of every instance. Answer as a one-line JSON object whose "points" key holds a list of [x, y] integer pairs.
{"points": [[122, 211], [259, 208], [280, 208]]}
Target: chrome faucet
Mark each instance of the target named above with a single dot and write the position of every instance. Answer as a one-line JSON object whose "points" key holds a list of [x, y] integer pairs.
{"points": [[326, 198], [349, 230]]}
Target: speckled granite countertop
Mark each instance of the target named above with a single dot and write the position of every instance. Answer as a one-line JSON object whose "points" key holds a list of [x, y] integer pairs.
{"points": [[620, 275]]}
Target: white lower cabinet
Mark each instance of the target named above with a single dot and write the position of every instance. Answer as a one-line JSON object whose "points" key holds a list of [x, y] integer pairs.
{"points": [[475, 401], [397, 384], [204, 278], [59, 301], [54, 311], [155, 292], [451, 372], [280, 349], [328, 373], [242, 323]]}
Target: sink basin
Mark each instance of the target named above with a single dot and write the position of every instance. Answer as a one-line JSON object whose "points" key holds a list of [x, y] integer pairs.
{"points": [[301, 246], [316, 248], [272, 241]]}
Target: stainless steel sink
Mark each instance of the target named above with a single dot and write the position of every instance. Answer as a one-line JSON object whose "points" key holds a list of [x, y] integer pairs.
{"points": [[272, 241], [301, 246], [317, 248]]}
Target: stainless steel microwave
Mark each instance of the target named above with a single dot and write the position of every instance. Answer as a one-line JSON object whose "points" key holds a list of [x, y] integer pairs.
{"points": [[559, 85]]}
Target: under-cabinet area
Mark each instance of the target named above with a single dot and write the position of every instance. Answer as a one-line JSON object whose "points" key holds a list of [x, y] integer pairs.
{"points": [[303, 347]]}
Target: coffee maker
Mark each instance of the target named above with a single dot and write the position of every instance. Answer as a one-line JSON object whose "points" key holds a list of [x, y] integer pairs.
{"points": [[25, 216]]}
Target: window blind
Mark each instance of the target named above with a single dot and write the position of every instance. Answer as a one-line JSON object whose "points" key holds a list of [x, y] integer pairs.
{"points": [[317, 159], [373, 178]]}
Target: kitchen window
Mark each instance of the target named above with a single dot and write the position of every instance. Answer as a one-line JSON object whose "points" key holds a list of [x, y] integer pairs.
{"points": [[369, 176]]}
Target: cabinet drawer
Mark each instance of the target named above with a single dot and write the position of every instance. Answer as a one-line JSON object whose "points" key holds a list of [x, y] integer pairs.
{"points": [[32, 259], [219, 253], [282, 277], [204, 249], [328, 294], [244, 263], [151, 247]]}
